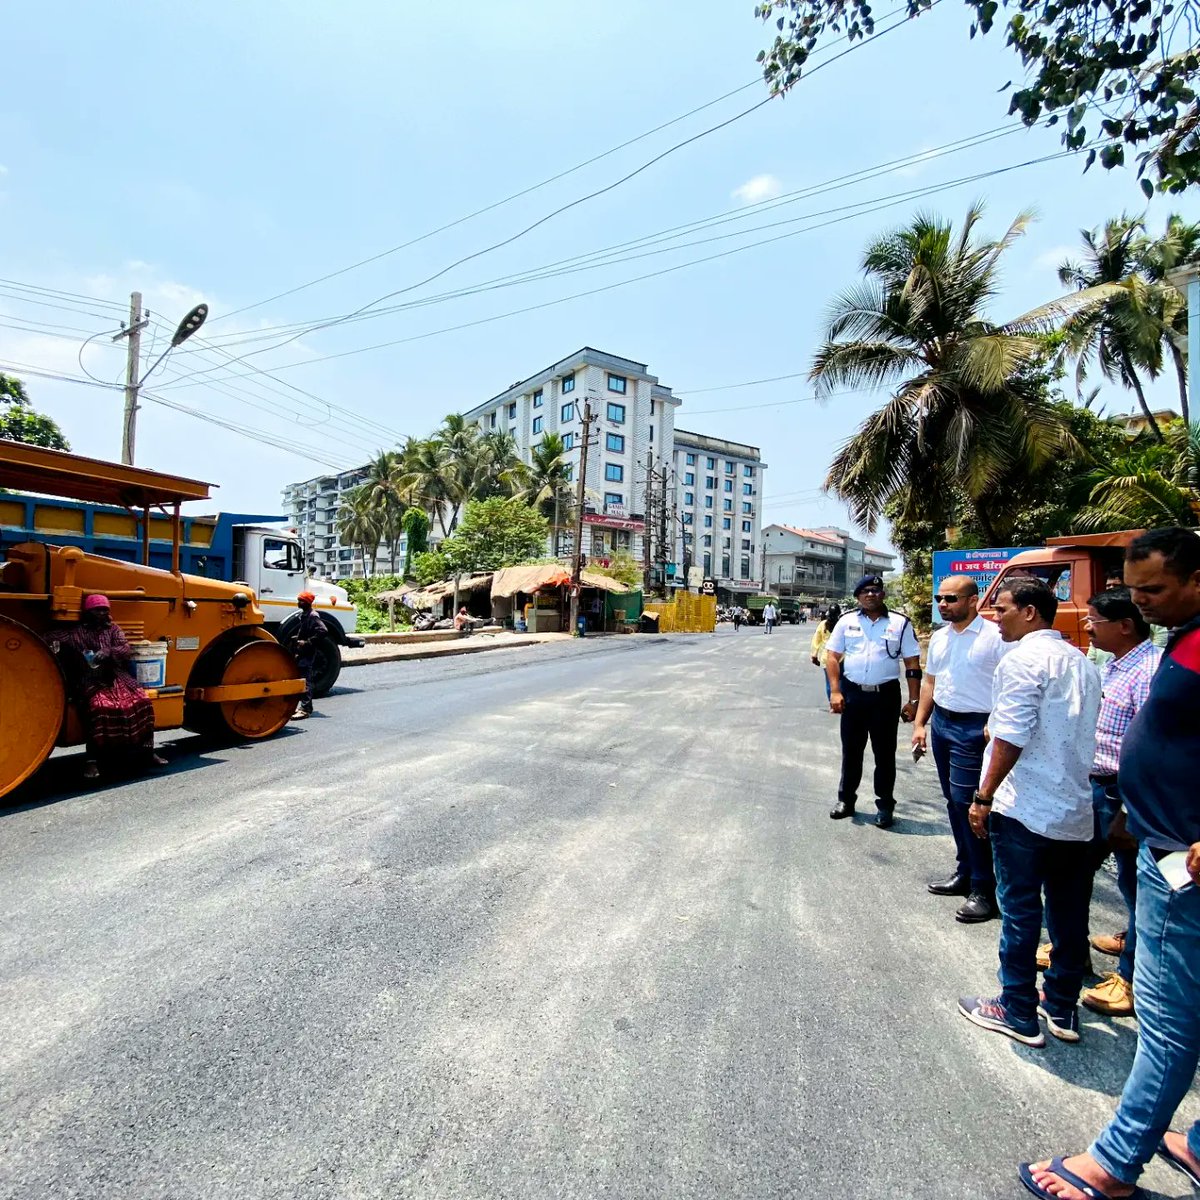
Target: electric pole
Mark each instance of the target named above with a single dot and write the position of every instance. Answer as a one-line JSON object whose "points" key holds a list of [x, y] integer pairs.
{"points": [[132, 366], [663, 552], [647, 521], [579, 491]]}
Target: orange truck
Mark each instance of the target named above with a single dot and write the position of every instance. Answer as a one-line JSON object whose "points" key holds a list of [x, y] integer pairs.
{"points": [[213, 667], [1075, 568]]}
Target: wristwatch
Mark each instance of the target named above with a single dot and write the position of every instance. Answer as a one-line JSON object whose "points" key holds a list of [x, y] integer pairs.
{"points": [[982, 800]]}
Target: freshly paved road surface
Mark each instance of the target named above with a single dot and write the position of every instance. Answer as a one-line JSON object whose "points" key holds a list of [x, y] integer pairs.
{"points": [[568, 922]]}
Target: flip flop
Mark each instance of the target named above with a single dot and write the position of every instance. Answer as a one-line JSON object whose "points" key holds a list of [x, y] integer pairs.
{"points": [[1057, 1168], [1180, 1164]]}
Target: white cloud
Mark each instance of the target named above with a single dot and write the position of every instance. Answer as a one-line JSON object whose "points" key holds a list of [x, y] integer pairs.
{"points": [[761, 187], [920, 158], [1053, 258]]}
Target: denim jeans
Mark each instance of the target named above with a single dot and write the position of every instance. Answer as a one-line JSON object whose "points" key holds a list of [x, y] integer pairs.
{"points": [[957, 744], [1028, 864], [1166, 982], [1106, 800]]}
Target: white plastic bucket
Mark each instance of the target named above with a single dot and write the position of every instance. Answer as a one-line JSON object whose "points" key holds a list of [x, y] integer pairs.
{"points": [[150, 663]]}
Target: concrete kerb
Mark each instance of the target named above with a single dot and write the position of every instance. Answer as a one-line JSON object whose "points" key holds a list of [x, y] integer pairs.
{"points": [[476, 643]]}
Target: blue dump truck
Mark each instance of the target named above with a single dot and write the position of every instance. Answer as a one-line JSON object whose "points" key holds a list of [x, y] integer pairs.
{"points": [[255, 549]]}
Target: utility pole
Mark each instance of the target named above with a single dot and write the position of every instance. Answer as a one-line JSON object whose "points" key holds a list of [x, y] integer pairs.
{"points": [[579, 492], [647, 522], [132, 366], [663, 552]]}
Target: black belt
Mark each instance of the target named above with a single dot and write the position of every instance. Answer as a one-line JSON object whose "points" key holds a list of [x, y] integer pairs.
{"points": [[871, 687], [1103, 780], [961, 716]]}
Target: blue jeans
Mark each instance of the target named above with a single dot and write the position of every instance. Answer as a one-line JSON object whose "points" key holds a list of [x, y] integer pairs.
{"points": [[957, 744], [1106, 800], [1166, 982], [1028, 864]]}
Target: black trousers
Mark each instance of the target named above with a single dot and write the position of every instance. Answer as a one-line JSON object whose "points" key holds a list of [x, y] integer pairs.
{"points": [[873, 716]]}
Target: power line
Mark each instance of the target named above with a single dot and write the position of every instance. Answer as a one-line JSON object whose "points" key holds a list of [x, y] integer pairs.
{"points": [[578, 200]]}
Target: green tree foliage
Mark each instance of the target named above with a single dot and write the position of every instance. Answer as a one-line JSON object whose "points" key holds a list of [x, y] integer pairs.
{"points": [[21, 422], [968, 408], [622, 567], [416, 530], [360, 524], [430, 567], [1125, 73], [501, 531]]}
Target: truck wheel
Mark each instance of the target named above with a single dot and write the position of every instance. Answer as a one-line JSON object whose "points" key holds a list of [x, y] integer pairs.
{"points": [[33, 698], [327, 666], [257, 661]]}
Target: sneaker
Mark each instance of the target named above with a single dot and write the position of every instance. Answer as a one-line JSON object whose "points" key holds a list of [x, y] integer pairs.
{"points": [[1064, 1026], [989, 1013], [1047, 948], [1112, 944], [301, 715], [1113, 997]]}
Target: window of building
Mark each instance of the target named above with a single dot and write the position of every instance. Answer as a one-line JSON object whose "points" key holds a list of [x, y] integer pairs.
{"points": [[614, 498], [747, 489], [748, 472], [568, 471], [652, 433], [617, 383], [537, 424], [725, 566], [708, 522], [745, 567], [711, 463], [726, 523], [566, 413], [729, 485], [729, 468], [614, 472], [492, 420], [689, 478], [687, 518], [689, 497], [747, 507], [616, 413], [747, 526], [512, 412], [708, 502], [727, 504], [745, 543], [710, 481], [537, 398], [690, 460], [568, 383], [615, 441], [568, 441], [708, 542]]}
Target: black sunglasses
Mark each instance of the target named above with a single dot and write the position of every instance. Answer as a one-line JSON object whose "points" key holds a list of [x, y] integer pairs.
{"points": [[949, 599]]}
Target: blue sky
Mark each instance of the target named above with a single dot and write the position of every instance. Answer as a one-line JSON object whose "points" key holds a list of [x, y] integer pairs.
{"points": [[232, 152]]}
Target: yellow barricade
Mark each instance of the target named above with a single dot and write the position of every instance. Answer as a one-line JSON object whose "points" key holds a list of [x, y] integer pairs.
{"points": [[687, 612]]}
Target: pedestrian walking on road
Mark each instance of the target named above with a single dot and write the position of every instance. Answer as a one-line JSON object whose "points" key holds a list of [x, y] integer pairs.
{"points": [[770, 616], [956, 697], [864, 656], [1035, 802], [306, 642], [737, 619], [1157, 775], [820, 640]]}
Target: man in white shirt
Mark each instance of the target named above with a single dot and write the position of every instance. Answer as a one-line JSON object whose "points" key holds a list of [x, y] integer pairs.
{"points": [[865, 655], [956, 697], [770, 616], [1035, 802]]}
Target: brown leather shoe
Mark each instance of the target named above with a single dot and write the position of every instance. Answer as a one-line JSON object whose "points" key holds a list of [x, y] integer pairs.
{"points": [[1043, 958], [1112, 944], [1113, 997]]}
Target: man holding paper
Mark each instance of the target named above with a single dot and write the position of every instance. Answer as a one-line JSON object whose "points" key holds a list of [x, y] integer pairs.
{"points": [[1158, 781]]}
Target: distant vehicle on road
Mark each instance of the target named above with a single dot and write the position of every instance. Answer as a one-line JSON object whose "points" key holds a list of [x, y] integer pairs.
{"points": [[754, 608]]}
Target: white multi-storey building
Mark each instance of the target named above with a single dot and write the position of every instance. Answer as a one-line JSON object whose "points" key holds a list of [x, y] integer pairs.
{"points": [[819, 564], [718, 497], [633, 423]]}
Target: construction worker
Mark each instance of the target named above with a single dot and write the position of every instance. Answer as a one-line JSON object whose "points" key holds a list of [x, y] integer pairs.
{"points": [[305, 644]]}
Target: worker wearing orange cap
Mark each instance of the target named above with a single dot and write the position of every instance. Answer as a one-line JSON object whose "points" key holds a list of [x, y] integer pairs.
{"points": [[306, 643]]}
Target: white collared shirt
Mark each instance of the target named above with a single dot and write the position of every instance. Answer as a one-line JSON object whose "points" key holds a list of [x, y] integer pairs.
{"points": [[874, 651], [962, 664], [1045, 699]]}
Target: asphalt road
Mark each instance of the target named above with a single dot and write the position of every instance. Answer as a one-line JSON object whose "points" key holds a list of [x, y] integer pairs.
{"points": [[569, 921]]}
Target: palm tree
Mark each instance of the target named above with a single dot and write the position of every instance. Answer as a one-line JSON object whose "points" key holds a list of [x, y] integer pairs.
{"points": [[358, 524], [385, 492], [427, 477], [545, 482], [1125, 334], [968, 405], [1154, 483], [497, 461]]}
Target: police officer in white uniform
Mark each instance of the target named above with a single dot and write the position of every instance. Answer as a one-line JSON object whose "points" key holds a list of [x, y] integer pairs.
{"points": [[866, 654]]}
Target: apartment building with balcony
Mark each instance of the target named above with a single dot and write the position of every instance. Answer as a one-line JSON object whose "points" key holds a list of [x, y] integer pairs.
{"points": [[633, 423], [312, 507], [818, 564], [718, 500]]}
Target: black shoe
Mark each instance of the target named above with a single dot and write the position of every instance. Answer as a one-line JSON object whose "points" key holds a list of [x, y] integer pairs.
{"points": [[841, 809], [957, 885], [979, 907], [885, 819]]}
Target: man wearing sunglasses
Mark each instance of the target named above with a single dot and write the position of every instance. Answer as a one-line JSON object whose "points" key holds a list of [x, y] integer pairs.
{"points": [[956, 697], [865, 655]]}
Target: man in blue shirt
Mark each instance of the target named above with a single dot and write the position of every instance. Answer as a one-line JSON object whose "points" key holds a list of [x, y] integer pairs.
{"points": [[1157, 778], [864, 656]]}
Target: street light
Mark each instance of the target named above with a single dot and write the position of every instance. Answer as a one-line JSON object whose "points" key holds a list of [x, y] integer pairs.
{"points": [[189, 325]]}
